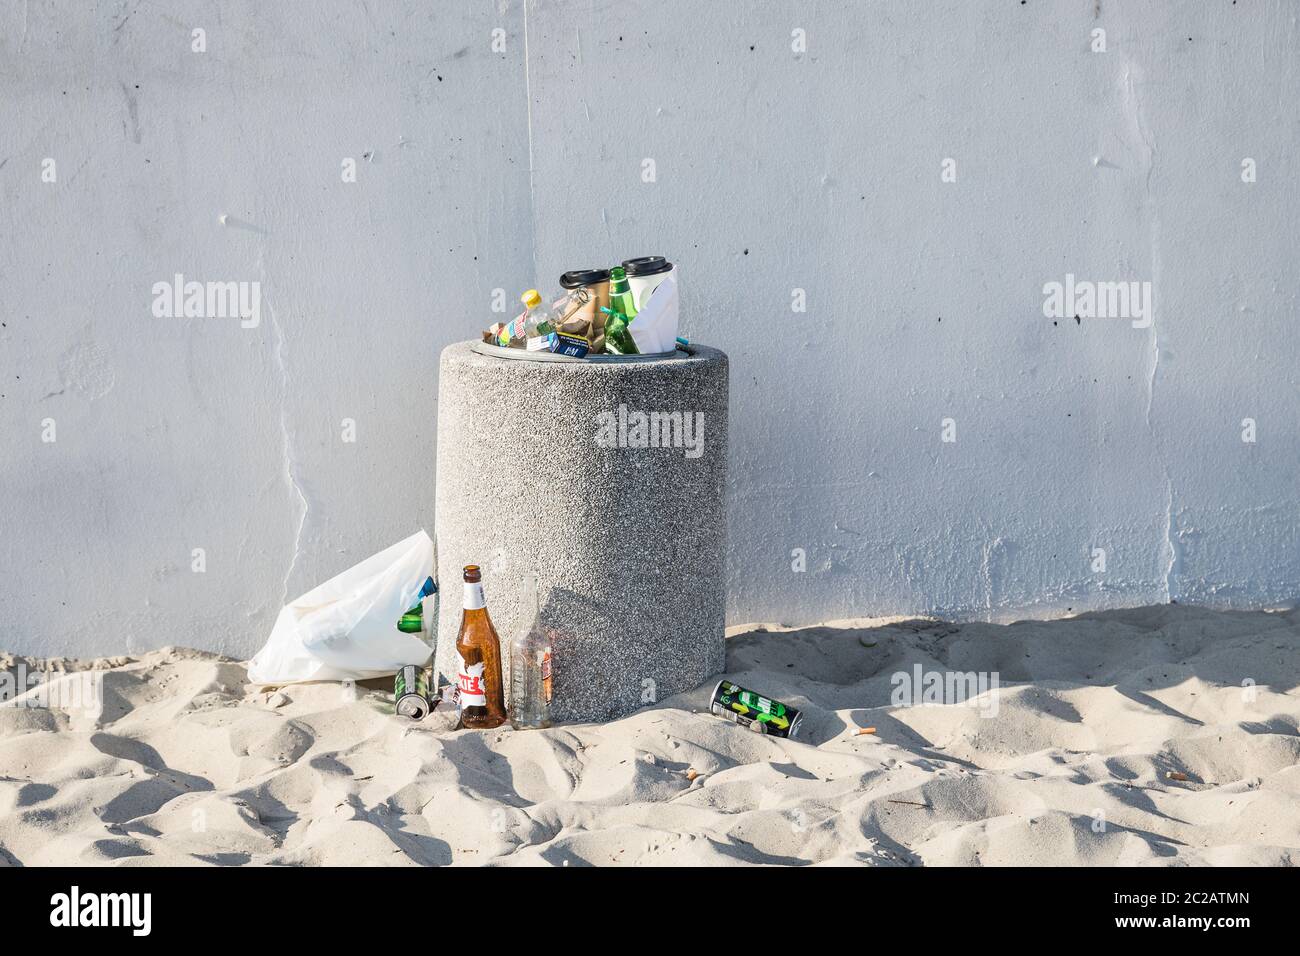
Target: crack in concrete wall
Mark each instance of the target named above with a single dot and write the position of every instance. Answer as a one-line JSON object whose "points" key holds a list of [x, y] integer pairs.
{"points": [[291, 467], [1133, 78]]}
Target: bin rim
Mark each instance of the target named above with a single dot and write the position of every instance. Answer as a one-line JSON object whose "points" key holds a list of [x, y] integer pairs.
{"points": [[522, 355]]}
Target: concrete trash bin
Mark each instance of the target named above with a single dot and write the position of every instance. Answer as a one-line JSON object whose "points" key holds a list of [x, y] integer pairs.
{"points": [[553, 468]]}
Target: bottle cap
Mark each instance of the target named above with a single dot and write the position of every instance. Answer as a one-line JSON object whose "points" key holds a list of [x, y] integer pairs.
{"points": [[531, 299]]}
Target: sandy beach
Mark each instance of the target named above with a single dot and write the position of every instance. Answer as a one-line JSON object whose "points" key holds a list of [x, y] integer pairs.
{"points": [[1123, 737]]}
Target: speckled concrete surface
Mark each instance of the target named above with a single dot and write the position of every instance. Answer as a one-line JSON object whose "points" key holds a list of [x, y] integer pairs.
{"points": [[629, 543]]}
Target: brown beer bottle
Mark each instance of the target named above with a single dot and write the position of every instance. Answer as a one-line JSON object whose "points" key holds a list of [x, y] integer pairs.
{"points": [[482, 701]]}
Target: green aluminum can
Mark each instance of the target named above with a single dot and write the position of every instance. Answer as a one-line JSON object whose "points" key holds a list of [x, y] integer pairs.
{"points": [[750, 709], [411, 693]]}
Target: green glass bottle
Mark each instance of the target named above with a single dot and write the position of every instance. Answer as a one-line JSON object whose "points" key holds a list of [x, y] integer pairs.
{"points": [[617, 337], [412, 622], [620, 293]]}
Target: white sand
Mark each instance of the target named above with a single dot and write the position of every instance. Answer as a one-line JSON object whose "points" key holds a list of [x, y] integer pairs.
{"points": [[188, 765]]}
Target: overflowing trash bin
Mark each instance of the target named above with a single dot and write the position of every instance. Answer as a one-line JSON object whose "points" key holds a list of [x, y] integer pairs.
{"points": [[578, 566], [600, 484]]}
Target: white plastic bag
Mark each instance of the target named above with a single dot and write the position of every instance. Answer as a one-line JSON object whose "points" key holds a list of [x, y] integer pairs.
{"points": [[654, 328], [346, 629]]}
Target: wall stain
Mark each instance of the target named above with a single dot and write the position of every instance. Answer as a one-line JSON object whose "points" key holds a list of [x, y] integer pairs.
{"points": [[133, 110]]}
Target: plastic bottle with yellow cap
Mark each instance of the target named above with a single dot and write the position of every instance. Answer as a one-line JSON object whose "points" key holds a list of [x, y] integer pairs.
{"points": [[537, 320], [534, 321]]}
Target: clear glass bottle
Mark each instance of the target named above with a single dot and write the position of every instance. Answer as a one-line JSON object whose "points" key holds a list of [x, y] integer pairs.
{"points": [[530, 666], [568, 305]]}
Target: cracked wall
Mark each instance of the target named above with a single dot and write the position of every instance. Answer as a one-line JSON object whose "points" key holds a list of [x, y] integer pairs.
{"points": [[777, 172]]}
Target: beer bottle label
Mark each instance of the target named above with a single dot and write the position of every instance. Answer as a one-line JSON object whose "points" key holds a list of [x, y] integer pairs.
{"points": [[474, 596], [469, 679]]}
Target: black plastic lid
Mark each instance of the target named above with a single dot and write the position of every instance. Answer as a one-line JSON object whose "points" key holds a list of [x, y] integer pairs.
{"points": [[580, 277], [647, 266]]}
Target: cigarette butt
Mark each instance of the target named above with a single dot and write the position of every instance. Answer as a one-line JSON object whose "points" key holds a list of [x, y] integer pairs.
{"points": [[692, 774], [865, 730], [1177, 775]]}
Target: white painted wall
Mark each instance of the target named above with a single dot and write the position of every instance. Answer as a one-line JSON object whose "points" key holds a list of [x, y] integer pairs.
{"points": [[775, 170]]}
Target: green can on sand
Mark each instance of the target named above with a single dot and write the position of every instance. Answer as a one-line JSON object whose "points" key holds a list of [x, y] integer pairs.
{"points": [[750, 709]]}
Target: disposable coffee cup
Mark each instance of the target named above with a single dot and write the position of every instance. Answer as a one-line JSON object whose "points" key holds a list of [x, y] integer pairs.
{"points": [[644, 275], [596, 281]]}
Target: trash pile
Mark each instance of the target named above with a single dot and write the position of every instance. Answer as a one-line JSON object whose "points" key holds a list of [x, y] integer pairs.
{"points": [[630, 309], [379, 618], [372, 621]]}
